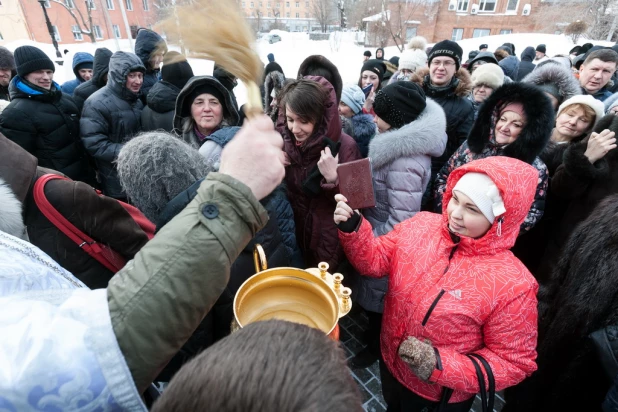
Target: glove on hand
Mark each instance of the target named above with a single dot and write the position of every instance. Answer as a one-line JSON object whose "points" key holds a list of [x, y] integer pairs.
{"points": [[420, 356]]}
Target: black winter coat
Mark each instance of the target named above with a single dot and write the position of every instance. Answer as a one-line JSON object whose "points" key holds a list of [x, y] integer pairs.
{"points": [[99, 71], [526, 66], [217, 322], [46, 124], [146, 43], [159, 113], [112, 116]]}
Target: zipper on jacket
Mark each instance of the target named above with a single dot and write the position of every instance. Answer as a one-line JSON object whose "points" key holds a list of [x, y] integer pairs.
{"points": [[432, 307], [438, 359]]}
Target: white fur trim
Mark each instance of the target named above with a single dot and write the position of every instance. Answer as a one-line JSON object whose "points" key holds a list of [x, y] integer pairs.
{"points": [[417, 43], [412, 60], [11, 220], [489, 74]]}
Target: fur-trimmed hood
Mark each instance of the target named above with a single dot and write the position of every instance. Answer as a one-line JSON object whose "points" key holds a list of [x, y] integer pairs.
{"points": [[535, 134], [11, 220], [424, 136], [274, 80], [461, 82], [558, 75]]}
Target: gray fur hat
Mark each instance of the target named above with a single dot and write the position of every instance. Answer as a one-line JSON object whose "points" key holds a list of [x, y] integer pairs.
{"points": [[155, 167], [558, 76]]}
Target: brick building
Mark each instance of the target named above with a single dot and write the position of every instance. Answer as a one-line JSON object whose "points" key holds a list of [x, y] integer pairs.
{"points": [[107, 19], [292, 15], [453, 19]]}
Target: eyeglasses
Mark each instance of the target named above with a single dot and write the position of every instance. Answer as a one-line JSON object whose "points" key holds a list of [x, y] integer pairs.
{"points": [[445, 63]]}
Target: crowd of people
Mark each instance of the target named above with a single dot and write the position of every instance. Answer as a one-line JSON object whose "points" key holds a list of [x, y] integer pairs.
{"points": [[131, 198]]}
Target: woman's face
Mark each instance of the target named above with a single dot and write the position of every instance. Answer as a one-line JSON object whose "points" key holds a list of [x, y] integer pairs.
{"points": [[481, 92], [345, 111], [382, 125], [573, 122], [465, 218], [207, 112], [369, 77], [508, 127], [300, 128]]}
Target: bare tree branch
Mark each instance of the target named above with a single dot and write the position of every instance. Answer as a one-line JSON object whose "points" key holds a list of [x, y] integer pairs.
{"points": [[88, 28]]}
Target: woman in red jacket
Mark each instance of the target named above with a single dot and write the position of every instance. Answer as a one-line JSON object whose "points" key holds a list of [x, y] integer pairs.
{"points": [[454, 288], [314, 143]]}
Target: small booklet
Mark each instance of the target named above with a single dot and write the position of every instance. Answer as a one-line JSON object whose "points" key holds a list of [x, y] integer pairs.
{"points": [[356, 183]]}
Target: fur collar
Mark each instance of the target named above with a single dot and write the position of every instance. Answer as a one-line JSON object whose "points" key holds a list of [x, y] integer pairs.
{"points": [[463, 88], [11, 220], [424, 136]]}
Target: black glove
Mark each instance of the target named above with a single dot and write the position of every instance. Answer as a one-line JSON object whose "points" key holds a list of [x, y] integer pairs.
{"points": [[350, 225]]}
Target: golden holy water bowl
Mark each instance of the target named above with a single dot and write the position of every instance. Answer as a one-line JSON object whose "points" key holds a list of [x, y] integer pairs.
{"points": [[312, 297]]}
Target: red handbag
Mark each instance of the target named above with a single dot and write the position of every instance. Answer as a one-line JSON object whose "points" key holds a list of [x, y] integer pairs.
{"points": [[105, 255]]}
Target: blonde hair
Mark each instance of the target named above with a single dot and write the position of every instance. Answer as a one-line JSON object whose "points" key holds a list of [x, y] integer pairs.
{"points": [[589, 113]]}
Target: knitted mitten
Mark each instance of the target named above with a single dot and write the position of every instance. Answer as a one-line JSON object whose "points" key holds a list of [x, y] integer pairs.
{"points": [[420, 356]]}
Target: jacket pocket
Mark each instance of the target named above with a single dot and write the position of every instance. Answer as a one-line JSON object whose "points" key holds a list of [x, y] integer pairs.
{"points": [[432, 307]]}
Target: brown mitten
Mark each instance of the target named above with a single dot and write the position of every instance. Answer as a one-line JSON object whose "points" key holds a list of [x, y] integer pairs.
{"points": [[419, 356]]}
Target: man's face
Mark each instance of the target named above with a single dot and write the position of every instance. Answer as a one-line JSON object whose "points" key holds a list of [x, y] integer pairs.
{"points": [[85, 74], [595, 75], [134, 81], [441, 70], [5, 77], [539, 55], [41, 78]]}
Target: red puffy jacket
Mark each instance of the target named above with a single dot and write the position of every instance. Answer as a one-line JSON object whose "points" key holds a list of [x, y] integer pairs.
{"points": [[468, 296]]}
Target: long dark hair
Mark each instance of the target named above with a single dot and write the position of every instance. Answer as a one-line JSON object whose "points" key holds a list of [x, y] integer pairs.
{"points": [[306, 98]]}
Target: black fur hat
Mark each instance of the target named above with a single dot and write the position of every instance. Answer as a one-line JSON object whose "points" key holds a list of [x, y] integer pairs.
{"points": [[535, 134], [7, 61], [317, 65]]}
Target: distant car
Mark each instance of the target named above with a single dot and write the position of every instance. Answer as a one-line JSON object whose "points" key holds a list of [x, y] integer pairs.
{"points": [[273, 38]]}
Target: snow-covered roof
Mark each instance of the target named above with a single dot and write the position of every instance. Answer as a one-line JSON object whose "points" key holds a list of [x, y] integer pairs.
{"points": [[379, 16], [413, 22]]}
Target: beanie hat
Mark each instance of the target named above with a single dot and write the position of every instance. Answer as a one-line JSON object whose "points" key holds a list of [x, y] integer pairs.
{"points": [[204, 88], [29, 59], [488, 74], [376, 66], [412, 59], [483, 192], [367, 53], [586, 100], [271, 57], [541, 48], [353, 97], [395, 61], [483, 46], [473, 54], [399, 103], [176, 69], [7, 61], [516, 107], [447, 48]]}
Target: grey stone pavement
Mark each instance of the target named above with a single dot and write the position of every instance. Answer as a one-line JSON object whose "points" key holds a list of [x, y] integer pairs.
{"points": [[351, 328]]}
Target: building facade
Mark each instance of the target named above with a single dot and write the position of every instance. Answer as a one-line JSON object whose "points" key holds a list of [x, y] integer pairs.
{"points": [[107, 19], [12, 22], [295, 16]]}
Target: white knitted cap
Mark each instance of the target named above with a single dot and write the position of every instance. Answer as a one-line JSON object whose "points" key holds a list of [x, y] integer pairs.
{"points": [[412, 59], [483, 192], [586, 100]]}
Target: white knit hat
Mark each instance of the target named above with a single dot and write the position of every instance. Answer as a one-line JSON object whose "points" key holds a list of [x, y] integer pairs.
{"points": [[488, 74], [586, 100], [483, 192], [412, 59]]}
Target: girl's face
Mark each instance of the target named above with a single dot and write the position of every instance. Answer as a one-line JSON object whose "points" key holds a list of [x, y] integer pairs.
{"points": [[465, 218], [345, 111], [369, 77], [382, 125], [508, 127], [300, 128], [573, 122]]}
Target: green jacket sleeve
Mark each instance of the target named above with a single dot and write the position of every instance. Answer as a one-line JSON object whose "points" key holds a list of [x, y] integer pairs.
{"points": [[161, 296]]}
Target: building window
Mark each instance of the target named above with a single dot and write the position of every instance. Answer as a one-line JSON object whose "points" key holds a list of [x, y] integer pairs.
{"points": [[506, 31], [410, 32], [251, 5], [480, 33], [297, 15], [47, 5], [130, 5], [244, 4], [1, 38], [297, 4], [110, 4], [98, 34], [487, 5], [457, 34], [90, 5], [268, 14], [287, 4], [268, 5], [287, 14], [462, 5], [145, 4], [277, 4], [260, 4], [56, 33], [307, 4], [511, 6], [116, 31], [69, 4], [77, 33]]}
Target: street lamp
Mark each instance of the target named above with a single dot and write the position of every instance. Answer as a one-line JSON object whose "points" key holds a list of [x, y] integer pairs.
{"points": [[50, 28]]}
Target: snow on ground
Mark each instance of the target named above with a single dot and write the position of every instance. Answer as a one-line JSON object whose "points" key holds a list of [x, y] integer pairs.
{"points": [[295, 47]]}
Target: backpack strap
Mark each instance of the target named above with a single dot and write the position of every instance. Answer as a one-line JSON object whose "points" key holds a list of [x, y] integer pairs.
{"points": [[84, 241]]}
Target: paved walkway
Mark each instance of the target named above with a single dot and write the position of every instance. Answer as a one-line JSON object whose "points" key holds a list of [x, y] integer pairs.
{"points": [[368, 380]]}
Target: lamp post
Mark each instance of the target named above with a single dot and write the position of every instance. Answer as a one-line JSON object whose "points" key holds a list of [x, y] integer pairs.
{"points": [[50, 28]]}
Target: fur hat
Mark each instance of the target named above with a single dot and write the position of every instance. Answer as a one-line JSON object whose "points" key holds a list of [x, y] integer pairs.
{"points": [[155, 167], [7, 61], [412, 59], [586, 100], [490, 75], [417, 43], [400, 103], [29, 59], [317, 65], [558, 76], [534, 135], [447, 48], [353, 97]]}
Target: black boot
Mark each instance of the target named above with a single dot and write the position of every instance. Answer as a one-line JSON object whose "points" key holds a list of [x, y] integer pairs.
{"points": [[364, 359]]}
